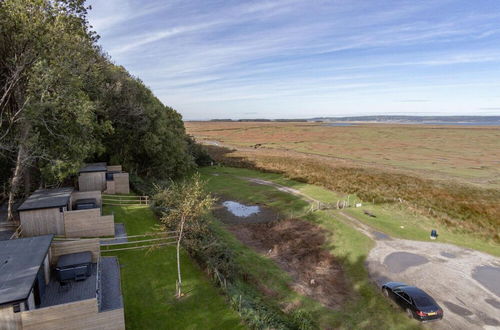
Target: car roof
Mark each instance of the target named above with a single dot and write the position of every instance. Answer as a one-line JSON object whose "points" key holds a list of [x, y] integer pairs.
{"points": [[414, 291], [395, 285]]}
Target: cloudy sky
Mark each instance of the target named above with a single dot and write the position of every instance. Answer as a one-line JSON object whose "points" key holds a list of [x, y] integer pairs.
{"points": [[299, 59]]}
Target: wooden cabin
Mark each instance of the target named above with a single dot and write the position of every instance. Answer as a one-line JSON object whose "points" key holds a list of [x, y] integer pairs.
{"points": [[65, 212], [34, 294], [110, 179]]}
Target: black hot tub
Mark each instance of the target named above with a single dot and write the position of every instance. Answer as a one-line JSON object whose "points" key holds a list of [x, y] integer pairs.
{"points": [[85, 204], [74, 266]]}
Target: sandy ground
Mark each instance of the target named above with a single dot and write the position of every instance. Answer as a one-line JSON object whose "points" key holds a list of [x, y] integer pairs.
{"points": [[466, 283]]}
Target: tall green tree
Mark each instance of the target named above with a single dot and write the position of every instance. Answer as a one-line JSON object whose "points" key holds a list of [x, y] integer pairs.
{"points": [[148, 138], [46, 119], [63, 102]]}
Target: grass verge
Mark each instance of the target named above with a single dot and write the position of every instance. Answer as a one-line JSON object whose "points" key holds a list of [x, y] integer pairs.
{"points": [[148, 284], [366, 308], [394, 219]]}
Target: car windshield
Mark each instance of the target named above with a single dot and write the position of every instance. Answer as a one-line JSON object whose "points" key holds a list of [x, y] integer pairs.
{"points": [[422, 301]]}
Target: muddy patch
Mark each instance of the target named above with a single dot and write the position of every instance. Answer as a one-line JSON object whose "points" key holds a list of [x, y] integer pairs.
{"points": [[456, 309], [398, 262], [448, 255], [234, 212], [487, 319], [381, 236], [488, 276], [297, 247], [493, 302]]}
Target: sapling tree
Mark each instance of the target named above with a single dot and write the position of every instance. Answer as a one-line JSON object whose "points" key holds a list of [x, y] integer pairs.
{"points": [[185, 205]]}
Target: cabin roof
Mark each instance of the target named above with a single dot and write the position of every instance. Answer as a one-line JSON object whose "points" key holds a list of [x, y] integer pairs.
{"points": [[20, 260], [46, 199], [94, 167]]}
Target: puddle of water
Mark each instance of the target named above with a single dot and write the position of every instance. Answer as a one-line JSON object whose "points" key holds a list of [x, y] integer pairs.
{"points": [[488, 276], [448, 255], [241, 210], [493, 302], [381, 236], [456, 309], [339, 124], [398, 262]]}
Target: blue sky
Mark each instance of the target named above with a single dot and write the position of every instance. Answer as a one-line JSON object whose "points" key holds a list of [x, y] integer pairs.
{"points": [[300, 59]]}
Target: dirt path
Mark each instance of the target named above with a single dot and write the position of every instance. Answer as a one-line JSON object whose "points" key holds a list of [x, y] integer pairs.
{"points": [[466, 283]]}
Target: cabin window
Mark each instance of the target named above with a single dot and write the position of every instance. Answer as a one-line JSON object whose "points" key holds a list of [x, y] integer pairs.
{"points": [[17, 308]]}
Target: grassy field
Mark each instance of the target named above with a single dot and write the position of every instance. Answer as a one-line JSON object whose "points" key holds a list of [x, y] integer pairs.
{"points": [[470, 154], [366, 307], [393, 219], [463, 203], [148, 284]]}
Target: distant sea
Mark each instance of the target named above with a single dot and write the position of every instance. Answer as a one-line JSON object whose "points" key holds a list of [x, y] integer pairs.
{"points": [[479, 123]]}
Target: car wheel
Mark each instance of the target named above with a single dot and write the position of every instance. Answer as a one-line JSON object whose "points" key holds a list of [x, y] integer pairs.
{"points": [[409, 313], [386, 293]]}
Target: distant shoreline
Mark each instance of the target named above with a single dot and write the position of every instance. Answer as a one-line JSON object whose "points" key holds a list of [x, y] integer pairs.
{"points": [[404, 120]]}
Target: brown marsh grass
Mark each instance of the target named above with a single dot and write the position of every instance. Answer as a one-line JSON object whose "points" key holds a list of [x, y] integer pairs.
{"points": [[470, 204]]}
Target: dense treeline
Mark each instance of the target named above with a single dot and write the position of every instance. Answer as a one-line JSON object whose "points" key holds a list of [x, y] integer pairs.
{"points": [[63, 102]]}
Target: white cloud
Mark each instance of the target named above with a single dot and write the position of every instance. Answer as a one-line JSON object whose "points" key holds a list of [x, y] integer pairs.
{"points": [[239, 53]]}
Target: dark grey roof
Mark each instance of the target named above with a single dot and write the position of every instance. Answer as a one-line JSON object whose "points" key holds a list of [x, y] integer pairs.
{"points": [[47, 198], [94, 167], [20, 260]]}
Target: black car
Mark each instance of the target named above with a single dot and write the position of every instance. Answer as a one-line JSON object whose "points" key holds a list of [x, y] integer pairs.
{"points": [[414, 301]]}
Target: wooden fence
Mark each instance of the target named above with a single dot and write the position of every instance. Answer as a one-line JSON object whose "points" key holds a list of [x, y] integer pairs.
{"points": [[149, 240], [17, 233], [125, 200]]}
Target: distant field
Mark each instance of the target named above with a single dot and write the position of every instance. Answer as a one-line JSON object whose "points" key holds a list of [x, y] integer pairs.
{"points": [[451, 173], [467, 153]]}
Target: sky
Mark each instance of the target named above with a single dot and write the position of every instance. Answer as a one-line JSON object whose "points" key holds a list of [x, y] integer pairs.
{"points": [[308, 58]]}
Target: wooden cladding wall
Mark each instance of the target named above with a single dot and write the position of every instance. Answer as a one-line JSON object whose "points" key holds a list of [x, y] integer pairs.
{"points": [[59, 248], [121, 183], [117, 168], [8, 319], [110, 187], [111, 320], [81, 315], [75, 315], [88, 223], [96, 194], [42, 222], [92, 181]]}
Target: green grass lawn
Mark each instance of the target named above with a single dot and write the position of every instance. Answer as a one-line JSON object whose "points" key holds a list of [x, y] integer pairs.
{"points": [[366, 308], [148, 284], [398, 221]]}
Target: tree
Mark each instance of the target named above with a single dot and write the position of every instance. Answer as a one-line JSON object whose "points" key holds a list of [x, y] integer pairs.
{"points": [[148, 138], [63, 102], [46, 120], [185, 205]]}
